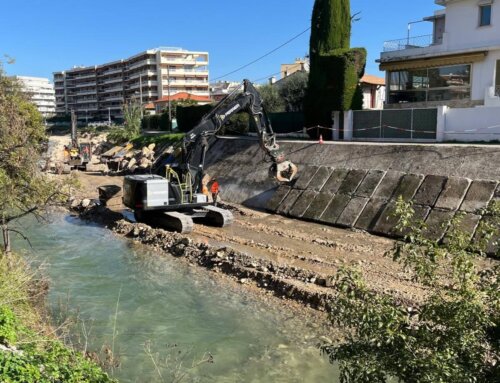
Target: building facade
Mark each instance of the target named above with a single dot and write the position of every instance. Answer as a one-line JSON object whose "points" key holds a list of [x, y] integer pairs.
{"points": [[373, 89], [99, 92], [300, 65], [41, 92], [221, 89], [457, 65]]}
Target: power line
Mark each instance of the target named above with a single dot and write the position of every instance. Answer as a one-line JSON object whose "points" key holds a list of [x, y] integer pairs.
{"points": [[266, 77], [263, 56]]}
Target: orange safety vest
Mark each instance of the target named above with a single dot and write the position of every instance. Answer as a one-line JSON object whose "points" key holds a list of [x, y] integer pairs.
{"points": [[215, 187]]}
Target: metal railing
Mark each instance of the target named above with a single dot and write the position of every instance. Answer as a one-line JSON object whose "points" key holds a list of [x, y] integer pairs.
{"points": [[408, 43]]}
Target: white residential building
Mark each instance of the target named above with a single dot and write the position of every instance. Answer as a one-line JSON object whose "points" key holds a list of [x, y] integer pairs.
{"points": [[41, 91], [220, 89], [458, 65], [99, 92]]}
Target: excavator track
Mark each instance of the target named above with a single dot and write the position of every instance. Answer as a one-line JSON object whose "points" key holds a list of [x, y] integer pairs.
{"points": [[173, 221], [219, 217]]}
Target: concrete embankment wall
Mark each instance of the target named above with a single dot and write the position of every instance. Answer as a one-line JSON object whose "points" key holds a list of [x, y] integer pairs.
{"points": [[356, 185]]}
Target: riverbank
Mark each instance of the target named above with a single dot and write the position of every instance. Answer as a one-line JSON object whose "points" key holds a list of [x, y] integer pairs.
{"points": [[296, 261], [30, 350]]}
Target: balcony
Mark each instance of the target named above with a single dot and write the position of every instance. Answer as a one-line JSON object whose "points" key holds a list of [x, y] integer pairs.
{"points": [[110, 72], [145, 84], [144, 75], [111, 80], [112, 90], [85, 84], [83, 76], [408, 43], [87, 101], [85, 92], [112, 98], [141, 64]]}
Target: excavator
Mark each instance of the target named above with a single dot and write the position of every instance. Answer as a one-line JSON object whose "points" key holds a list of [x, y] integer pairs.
{"points": [[175, 199]]}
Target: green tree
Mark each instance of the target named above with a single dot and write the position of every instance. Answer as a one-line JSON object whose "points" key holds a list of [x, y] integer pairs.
{"points": [[452, 335], [271, 99], [182, 102], [292, 90], [24, 189], [335, 68]]}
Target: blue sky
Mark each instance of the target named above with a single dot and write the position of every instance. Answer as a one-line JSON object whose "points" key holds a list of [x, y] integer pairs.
{"points": [[44, 36]]}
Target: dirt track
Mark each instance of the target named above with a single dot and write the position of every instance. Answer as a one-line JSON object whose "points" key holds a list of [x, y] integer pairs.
{"points": [[311, 253]]}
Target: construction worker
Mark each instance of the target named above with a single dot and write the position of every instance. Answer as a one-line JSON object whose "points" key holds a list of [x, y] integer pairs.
{"points": [[215, 190]]}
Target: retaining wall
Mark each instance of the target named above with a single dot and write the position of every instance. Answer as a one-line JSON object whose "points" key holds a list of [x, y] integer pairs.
{"points": [[356, 185]]}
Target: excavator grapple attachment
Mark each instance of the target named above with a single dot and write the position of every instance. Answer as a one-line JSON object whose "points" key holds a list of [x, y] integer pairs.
{"points": [[284, 171]]}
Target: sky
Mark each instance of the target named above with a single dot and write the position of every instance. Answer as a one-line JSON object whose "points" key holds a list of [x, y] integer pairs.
{"points": [[44, 36]]}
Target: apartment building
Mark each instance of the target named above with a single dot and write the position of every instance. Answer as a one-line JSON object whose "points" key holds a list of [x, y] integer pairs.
{"points": [[457, 64], [99, 92], [41, 92]]}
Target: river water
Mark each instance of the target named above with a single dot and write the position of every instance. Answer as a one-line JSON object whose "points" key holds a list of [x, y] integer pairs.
{"points": [[181, 312]]}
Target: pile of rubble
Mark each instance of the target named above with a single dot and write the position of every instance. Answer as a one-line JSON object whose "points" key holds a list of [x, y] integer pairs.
{"points": [[129, 160]]}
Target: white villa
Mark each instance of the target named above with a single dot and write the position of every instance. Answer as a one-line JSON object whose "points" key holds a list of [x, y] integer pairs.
{"points": [[457, 66]]}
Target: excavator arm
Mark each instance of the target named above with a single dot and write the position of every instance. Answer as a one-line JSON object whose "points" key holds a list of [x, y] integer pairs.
{"points": [[197, 142]]}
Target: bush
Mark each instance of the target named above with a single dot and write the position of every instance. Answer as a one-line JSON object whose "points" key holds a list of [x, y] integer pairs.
{"points": [[32, 357], [452, 335]]}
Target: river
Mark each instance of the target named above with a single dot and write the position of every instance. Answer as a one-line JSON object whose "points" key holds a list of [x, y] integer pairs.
{"points": [[182, 313]]}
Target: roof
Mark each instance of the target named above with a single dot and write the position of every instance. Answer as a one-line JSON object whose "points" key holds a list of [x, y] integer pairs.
{"points": [[149, 106], [184, 96], [374, 80]]}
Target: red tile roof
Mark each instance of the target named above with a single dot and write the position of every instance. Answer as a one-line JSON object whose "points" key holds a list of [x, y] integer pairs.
{"points": [[149, 106], [185, 96], [370, 79]]}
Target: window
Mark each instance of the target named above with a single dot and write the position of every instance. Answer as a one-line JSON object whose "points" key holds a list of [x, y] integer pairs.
{"points": [[484, 15], [430, 84]]}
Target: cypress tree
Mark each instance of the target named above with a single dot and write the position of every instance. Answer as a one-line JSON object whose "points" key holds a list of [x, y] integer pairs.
{"points": [[335, 68]]}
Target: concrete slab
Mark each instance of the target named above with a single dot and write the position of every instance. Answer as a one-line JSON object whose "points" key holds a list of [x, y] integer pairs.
{"points": [[370, 214], [387, 222], [468, 225], [289, 201], [388, 185], [479, 195], [453, 193], [302, 203], [352, 181], [437, 224], [429, 191], [278, 197], [421, 213], [408, 186], [335, 208], [370, 183], [318, 206], [335, 181], [305, 174], [320, 178], [352, 211], [493, 246]]}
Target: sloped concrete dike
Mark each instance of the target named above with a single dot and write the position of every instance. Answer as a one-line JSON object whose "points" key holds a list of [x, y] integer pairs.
{"points": [[356, 185]]}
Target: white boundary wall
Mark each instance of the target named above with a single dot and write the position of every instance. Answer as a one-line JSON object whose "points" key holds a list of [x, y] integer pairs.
{"points": [[453, 124], [472, 124]]}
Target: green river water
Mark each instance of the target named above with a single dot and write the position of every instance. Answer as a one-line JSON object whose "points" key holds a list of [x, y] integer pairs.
{"points": [[164, 302]]}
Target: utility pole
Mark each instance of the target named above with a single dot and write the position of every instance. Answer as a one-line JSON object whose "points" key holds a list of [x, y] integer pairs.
{"points": [[140, 91], [168, 95], [109, 116]]}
